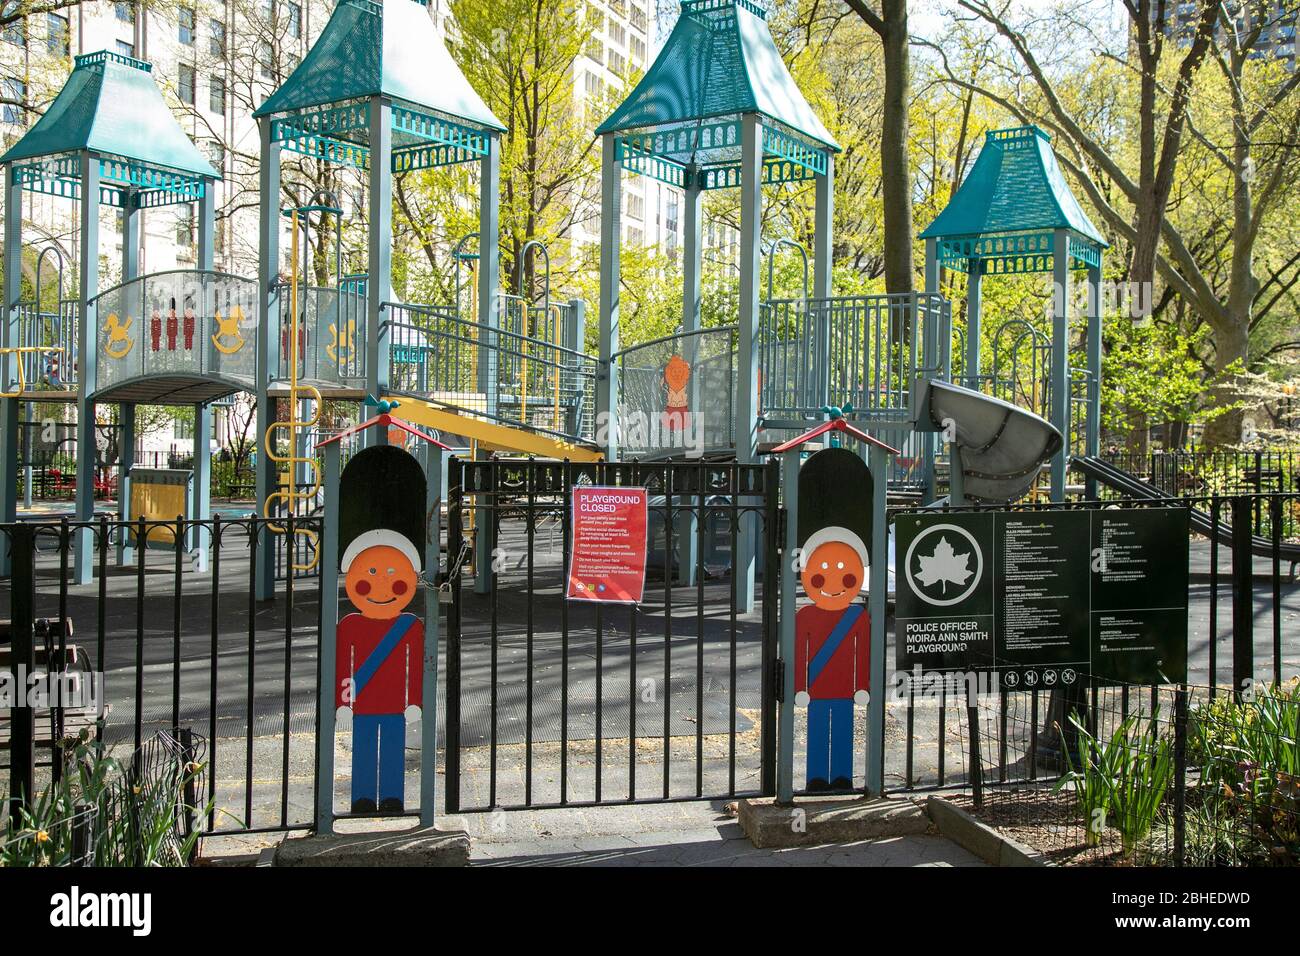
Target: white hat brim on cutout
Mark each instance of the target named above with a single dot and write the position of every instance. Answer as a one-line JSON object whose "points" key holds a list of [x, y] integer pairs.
{"points": [[835, 533], [381, 536]]}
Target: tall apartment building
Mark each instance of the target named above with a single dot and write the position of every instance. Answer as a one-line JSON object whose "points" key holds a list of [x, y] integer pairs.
{"points": [[620, 46], [623, 43], [1275, 19]]}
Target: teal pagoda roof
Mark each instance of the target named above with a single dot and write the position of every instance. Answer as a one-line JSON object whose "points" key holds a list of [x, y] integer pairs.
{"points": [[110, 105], [1005, 212], [719, 61], [381, 48]]}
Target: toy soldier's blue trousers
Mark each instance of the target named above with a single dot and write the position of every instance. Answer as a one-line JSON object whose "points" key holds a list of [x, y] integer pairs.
{"points": [[378, 752], [830, 740]]}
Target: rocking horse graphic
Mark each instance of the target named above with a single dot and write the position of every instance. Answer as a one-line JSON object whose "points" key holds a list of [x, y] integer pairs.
{"points": [[228, 339], [119, 342]]}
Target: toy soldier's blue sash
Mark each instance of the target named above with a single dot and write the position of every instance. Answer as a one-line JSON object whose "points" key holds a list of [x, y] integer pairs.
{"points": [[833, 642], [375, 659]]}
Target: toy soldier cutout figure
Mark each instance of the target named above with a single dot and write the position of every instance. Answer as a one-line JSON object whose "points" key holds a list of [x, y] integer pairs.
{"points": [[833, 634], [379, 668]]}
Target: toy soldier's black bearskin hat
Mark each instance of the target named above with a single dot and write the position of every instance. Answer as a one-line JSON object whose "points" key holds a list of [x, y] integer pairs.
{"points": [[835, 490], [381, 502]]}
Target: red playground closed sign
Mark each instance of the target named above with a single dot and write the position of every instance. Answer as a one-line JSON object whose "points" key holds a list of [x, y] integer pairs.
{"points": [[607, 560]]}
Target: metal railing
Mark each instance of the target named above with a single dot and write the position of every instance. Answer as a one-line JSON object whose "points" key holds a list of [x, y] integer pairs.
{"points": [[331, 333], [865, 350], [38, 329], [172, 647], [501, 374]]}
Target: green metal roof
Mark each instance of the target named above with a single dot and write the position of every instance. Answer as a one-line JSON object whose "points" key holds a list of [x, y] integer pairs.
{"points": [[1015, 186], [387, 48], [718, 61], [111, 105]]}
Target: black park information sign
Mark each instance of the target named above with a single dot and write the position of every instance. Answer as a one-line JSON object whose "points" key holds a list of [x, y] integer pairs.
{"points": [[1045, 598]]}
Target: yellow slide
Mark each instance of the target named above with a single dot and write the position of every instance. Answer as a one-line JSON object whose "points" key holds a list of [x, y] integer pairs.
{"points": [[489, 435]]}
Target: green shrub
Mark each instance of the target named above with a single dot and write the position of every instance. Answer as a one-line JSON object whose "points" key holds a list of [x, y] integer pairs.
{"points": [[130, 817], [1119, 781]]}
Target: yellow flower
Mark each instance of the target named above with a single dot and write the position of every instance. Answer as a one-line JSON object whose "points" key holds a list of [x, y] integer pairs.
{"points": [[42, 836]]}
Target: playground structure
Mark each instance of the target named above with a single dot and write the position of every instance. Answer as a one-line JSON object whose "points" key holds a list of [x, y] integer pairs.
{"points": [[378, 91]]}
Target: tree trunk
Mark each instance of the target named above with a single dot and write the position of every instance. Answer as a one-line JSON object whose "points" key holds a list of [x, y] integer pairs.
{"points": [[895, 179]]}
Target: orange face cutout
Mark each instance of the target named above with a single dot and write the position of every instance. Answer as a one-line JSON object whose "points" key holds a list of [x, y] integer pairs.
{"points": [[832, 575], [380, 582], [677, 373]]}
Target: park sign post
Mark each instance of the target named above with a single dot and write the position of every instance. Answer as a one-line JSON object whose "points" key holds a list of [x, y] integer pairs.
{"points": [[607, 557], [1045, 598]]}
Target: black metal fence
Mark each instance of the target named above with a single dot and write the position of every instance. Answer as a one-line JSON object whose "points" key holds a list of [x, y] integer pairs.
{"points": [[1243, 598], [165, 646], [1202, 474], [144, 811], [553, 702]]}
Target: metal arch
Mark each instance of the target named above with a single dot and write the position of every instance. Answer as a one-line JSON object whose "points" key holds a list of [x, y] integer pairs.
{"points": [[325, 202], [771, 251], [1039, 345], [458, 256], [40, 262], [539, 246]]}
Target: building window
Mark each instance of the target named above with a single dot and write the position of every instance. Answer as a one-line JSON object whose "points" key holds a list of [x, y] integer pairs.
{"points": [[295, 20], [217, 41], [635, 206], [126, 49], [617, 64], [124, 11], [185, 226], [15, 94], [217, 95], [617, 33], [636, 49], [185, 84], [13, 31], [594, 49], [185, 26], [217, 155], [593, 85], [265, 57], [56, 38], [638, 19], [635, 237]]}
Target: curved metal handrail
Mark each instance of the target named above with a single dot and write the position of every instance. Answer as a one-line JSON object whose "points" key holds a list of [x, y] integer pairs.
{"points": [[450, 316], [674, 335], [170, 272]]}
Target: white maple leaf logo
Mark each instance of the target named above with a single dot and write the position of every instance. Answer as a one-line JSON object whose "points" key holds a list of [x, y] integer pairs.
{"points": [[944, 566]]}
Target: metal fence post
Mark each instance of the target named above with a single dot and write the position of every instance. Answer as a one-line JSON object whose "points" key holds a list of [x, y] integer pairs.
{"points": [[1180, 775], [22, 747], [787, 579], [80, 835], [187, 775], [1243, 598]]}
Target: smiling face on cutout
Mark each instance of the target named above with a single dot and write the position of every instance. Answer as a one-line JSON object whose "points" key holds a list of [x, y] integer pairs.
{"points": [[832, 575], [380, 582]]}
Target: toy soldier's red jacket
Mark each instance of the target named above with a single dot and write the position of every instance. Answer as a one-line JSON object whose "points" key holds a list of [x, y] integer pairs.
{"points": [[847, 669], [389, 679]]}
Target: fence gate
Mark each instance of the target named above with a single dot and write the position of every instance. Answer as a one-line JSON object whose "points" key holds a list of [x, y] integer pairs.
{"points": [[557, 703]]}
